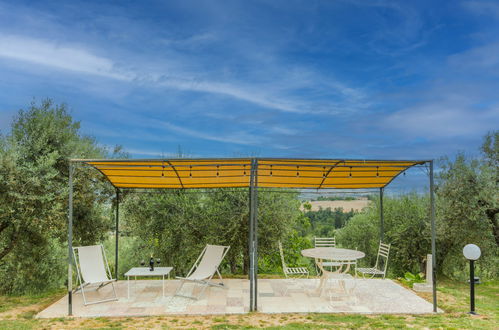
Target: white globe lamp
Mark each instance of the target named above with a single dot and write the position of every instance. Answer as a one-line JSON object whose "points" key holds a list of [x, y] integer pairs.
{"points": [[472, 252]]}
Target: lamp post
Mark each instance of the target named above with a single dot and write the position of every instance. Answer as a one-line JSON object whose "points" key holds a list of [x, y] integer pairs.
{"points": [[472, 253]]}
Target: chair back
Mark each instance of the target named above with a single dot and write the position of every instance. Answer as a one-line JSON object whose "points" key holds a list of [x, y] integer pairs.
{"points": [[284, 267], [92, 263], [324, 242], [211, 258], [382, 257]]}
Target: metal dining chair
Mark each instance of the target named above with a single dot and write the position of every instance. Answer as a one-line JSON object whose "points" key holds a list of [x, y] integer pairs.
{"points": [[381, 262], [326, 242]]}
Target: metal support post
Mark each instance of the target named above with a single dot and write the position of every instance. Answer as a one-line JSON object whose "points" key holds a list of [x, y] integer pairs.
{"points": [[255, 233], [252, 237], [70, 241], [472, 287], [381, 216], [117, 217], [433, 238]]}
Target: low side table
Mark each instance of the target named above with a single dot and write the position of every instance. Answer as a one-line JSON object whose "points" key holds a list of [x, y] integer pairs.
{"points": [[144, 271]]}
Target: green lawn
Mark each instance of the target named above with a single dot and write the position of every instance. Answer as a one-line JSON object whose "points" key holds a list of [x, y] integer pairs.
{"points": [[18, 313]]}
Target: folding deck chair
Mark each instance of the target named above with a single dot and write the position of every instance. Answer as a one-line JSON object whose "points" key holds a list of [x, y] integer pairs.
{"points": [[93, 269], [205, 268]]}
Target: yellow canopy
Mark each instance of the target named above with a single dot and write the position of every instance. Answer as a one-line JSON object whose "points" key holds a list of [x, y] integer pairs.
{"points": [[225, 172]]}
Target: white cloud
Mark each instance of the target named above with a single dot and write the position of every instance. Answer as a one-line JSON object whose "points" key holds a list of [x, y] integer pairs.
{"points": [[58, 56], [482, 57], [442, 120]]}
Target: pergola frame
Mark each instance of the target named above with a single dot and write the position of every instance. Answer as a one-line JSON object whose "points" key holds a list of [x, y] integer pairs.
{"points": [[253, 186]]}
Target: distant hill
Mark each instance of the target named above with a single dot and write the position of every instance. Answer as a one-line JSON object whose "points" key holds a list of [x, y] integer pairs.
{"points": [[355, 205]]}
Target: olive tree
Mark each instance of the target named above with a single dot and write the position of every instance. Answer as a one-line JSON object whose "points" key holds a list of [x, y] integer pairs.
{"points": [[176, 225], [33, 196]]}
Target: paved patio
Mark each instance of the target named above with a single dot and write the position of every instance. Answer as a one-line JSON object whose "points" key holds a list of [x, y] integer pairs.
{"points": [[275, 296]]}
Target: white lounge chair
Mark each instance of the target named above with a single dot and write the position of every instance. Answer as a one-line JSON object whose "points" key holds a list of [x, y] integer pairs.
{"points": [[381, 263], [205, 268], [93, 269]]}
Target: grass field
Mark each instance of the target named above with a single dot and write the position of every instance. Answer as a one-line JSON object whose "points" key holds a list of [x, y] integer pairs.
{"points": [[19, 312]]}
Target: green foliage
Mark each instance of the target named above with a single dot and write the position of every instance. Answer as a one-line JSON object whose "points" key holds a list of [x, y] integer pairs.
{"points": [[468, 197], [176, 226], [33, 197], [409, 278], [467, 205], [324, 222], [130, 253], [406, 226]]}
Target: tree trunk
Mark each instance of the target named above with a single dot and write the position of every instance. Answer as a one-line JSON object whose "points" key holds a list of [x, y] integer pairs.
{"points": [[13, 240]]}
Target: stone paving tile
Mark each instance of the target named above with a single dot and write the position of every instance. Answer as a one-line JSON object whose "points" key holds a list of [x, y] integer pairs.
{"points": [[135, 310], [215, 309], [234, 309], [217, 301], [266, 294], [367, 296], [234, 301], [233, 293], [197, 309]]}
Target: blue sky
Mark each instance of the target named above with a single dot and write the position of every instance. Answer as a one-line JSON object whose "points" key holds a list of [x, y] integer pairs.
{"points": [[326, 79]]}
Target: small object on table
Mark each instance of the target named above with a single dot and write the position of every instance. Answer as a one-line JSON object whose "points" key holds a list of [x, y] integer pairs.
{"points": [[151, 264], [142, 262]]}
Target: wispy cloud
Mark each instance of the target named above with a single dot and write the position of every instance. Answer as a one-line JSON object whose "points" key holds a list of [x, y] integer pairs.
{"points": [[445, 119], [152, 153], [62, 57], [238, 138], [488, 8], [78, 60], [352, 78], [483, 57]]}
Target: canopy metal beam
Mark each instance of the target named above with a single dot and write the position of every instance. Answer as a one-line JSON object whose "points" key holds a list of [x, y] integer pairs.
{"points": [[176, 173]]}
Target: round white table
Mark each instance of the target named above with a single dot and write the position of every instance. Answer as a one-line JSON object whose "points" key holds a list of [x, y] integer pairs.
{"points": [[331, 253], [343, 257]]}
